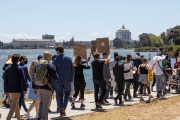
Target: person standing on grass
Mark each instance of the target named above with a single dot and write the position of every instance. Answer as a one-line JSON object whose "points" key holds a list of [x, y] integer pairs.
{"points": [[23, 61], [14, 74], [143, 71], [79, 81], [98, 78], [118, 72], [65, 72], [44, 91]]}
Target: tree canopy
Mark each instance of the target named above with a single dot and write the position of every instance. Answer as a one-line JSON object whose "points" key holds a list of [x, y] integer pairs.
{"points": [[175, 35], [118, 43]]}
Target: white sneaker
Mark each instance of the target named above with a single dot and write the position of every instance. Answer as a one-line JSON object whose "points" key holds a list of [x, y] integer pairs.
{"points": [[27, 115]]}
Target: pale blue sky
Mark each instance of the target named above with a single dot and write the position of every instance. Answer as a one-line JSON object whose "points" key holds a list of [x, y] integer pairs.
{"points": [[85, 19]]}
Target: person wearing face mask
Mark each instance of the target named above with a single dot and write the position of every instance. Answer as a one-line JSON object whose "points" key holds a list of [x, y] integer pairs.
{"points": [[23, 61]]}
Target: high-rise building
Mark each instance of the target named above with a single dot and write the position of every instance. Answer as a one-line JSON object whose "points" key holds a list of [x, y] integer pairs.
{"points": [[123, 34]]}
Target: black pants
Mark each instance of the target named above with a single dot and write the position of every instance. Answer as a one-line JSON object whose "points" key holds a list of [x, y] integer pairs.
{"points": [[154, 81], [120, 90], [141, 88], [135, 82], [99, 84], [79, 87]]}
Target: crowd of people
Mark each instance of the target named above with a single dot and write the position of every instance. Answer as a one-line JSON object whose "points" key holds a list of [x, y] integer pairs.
{"points": [[108, 76]]}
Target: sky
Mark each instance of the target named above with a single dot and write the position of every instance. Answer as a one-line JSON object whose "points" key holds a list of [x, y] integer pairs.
{"points": [[85, 20]]}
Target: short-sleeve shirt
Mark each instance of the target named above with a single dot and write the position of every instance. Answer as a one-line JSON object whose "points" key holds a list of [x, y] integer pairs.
{"points": [[158, 59], [97, 69], [79, 76]]}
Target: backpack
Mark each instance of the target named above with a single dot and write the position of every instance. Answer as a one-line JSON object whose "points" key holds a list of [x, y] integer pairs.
{"points": [[41, 76]]}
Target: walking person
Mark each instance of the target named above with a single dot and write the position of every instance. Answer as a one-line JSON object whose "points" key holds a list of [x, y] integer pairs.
{"points": [[143, 71], [159, 75], [65, 72], [118, 71], [107, 78], [98, 79], [128, 76], [44, 73], [30, 94], [79, 81], [111, 65], [14, 74], [137, 61]]}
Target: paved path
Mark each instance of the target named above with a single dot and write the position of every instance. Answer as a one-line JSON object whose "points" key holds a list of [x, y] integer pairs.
{"points": [[90, 107]]}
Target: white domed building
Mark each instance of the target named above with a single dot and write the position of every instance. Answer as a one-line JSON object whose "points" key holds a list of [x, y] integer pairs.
{"points": [[123, 34]]}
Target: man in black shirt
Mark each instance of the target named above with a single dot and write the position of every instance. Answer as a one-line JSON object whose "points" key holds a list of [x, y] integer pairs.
{"points": [[98, 79], [137, 61]]}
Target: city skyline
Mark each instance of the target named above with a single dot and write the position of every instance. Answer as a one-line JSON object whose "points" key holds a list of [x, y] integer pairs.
{"points": [[85, 20]]}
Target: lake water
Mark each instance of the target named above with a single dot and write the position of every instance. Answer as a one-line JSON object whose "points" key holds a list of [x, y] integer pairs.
{"points": [[33, 53]]}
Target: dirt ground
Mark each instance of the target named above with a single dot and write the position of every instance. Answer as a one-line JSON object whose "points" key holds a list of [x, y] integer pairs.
{"points": [[158, 109]]}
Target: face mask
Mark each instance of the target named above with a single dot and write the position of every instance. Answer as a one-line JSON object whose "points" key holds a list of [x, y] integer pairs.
{"points": [[25, 62]]}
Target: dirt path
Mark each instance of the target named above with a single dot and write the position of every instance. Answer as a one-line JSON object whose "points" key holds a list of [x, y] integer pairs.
{"points": [[168, 109]]}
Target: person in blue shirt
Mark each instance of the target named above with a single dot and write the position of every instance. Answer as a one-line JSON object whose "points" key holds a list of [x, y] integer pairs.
{"points": [[65, 70], [23, 61]]}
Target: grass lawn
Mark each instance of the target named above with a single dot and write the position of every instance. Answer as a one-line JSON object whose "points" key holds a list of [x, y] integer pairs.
{"points": [[156, 110]]}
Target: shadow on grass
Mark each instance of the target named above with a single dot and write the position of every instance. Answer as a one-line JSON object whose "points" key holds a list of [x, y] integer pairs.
{"points": [[53, 112], [61, 118], [82, 109]]}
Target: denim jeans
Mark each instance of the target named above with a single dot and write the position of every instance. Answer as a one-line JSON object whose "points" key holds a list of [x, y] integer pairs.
{"points": [[63, 91], [22, 103], [119, 91], [160, 80], [99, 84]]}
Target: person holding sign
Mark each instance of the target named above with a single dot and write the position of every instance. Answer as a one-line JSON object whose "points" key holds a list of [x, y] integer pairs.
{"points": [[79, 81], [98, 78]]}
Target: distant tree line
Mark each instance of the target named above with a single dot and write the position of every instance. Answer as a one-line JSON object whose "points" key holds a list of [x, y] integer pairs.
{"points": [[1, 44]]}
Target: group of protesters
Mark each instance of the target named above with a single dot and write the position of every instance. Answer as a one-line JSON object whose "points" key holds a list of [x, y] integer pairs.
{"points": [[107, 75]]}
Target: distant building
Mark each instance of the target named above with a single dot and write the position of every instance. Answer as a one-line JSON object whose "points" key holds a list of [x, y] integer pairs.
{"points": [[123, 34], [51, 37], [39, 43]]}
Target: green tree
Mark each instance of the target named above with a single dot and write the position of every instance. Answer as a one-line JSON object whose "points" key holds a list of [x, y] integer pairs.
{"points": [[118, 43], [163, 36], [175, 35]]}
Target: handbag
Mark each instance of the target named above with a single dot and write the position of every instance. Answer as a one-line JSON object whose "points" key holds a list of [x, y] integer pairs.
{"points": [[150, 76]]}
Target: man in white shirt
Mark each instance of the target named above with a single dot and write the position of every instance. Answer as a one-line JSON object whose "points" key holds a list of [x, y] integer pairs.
{"points": [[159, 75]]}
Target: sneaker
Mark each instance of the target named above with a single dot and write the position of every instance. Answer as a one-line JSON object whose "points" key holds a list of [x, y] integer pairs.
{"points": [[115, 101], [27, 115], [70, 99], [98, 105], [49, 110], [82, 106], [62, 112], [105, 100], [141, 99], [72, 105], [121, 103], [8, 106], [135, 96]]}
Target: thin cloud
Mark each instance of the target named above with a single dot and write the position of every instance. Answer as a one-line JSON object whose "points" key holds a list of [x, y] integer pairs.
{"points": [[94, 34]]}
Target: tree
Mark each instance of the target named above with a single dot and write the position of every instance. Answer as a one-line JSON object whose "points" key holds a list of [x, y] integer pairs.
{"points": [[71, 41], [175, 35], [163, 36], [118, 43]]}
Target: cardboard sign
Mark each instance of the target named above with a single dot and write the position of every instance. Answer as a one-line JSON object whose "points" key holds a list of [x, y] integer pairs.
{"points": [[102, 45], [79, 50], [93, 46]]}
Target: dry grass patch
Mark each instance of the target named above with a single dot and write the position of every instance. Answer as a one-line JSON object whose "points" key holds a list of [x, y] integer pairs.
{"points": [[156, 110]]}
